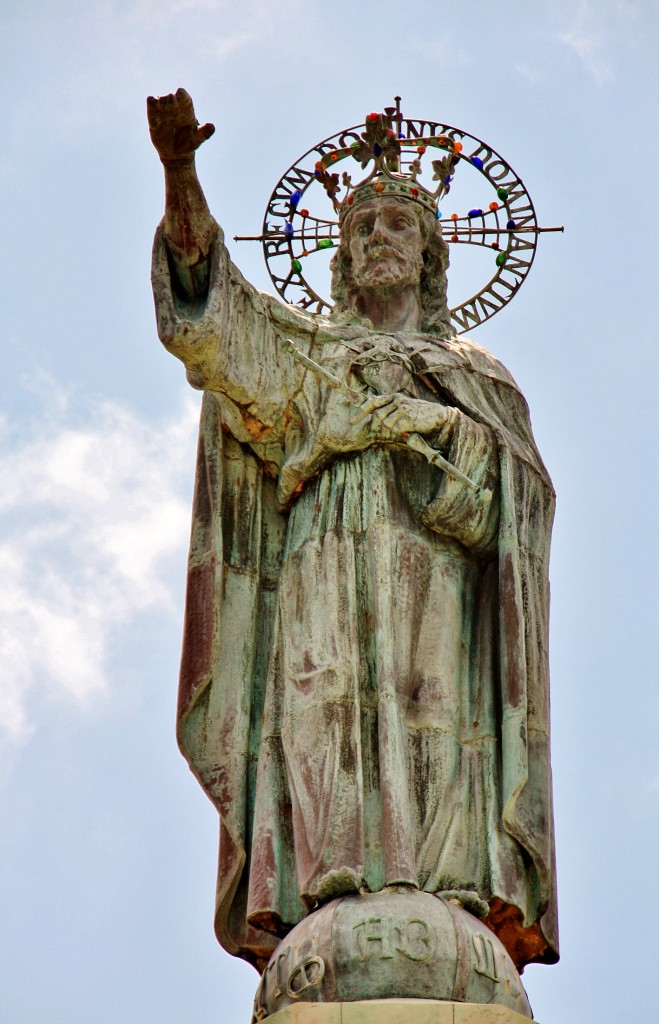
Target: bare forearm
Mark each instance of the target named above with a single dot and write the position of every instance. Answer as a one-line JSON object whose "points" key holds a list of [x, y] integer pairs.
{"points": [[189, 227]]}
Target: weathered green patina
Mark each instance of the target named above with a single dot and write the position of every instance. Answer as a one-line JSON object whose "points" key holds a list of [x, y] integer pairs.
{"points": [[364, 683]]}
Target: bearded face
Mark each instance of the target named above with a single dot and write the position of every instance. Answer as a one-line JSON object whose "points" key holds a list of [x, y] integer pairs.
{"points": [[386, 244]]}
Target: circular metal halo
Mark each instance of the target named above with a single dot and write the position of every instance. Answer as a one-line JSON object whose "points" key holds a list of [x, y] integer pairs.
{"points": [[511, 228]]}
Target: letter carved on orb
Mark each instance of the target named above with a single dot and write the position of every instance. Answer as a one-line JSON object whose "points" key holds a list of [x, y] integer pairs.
{"points": [[489, 963], [305, 975], [414, 939]]}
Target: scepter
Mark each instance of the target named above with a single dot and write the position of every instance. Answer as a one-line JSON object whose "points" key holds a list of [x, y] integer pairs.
{"points": [[414, 441]]}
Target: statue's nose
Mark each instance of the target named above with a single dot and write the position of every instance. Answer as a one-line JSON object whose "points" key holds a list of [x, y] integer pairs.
{"points": [[379, 230]]}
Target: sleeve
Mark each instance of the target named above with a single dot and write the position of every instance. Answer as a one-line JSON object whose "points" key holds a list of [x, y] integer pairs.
{"points": [[189, 280], [226, 336], [471, 517]]}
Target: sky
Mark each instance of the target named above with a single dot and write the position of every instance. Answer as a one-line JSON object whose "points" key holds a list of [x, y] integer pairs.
{"points": [[107, 844]]}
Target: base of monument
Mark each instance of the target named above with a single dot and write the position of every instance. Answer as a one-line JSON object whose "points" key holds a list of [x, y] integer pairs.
{"points": [[396, 1011]]}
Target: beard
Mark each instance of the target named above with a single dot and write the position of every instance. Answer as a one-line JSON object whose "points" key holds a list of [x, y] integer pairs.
{"points": [[384, 266]]}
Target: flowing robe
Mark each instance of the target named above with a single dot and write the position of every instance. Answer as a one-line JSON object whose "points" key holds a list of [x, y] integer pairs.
{"points": [[364, 680]]}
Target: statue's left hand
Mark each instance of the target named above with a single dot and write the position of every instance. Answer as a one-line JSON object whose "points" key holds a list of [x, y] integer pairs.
{"points": [[394, 417]]}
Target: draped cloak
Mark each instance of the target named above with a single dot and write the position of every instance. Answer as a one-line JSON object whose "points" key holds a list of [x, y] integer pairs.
{"points": [[274, 490]]}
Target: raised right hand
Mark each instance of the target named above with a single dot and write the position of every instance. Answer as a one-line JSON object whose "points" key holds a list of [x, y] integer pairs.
{"points": [[174, 129]]}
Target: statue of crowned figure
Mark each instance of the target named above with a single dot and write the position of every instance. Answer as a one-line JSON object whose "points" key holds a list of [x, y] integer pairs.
{"points": [[364, 681]]}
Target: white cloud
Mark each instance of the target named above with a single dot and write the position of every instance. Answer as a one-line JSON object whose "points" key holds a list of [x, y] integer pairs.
{"points": [[592, 32], [587, 44], [92, 504], [530, 73], [437, 47], [102, 59], [216, 28]]}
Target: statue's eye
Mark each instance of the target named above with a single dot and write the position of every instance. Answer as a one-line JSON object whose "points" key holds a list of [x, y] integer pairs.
{"points": [[401, 223], [363, 229]]}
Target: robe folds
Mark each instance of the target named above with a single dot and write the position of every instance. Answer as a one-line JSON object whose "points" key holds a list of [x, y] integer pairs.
{"points": [[364, 678]]}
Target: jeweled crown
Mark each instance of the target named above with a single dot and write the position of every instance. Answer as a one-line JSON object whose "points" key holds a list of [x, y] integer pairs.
{"points": [[380, 144]]}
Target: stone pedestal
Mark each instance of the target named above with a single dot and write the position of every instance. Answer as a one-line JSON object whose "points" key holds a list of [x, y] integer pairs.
{"points": [[396, 1011]]}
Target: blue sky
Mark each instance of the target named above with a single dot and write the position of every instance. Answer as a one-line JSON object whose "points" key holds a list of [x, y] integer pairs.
{"points": [[108, 847]]}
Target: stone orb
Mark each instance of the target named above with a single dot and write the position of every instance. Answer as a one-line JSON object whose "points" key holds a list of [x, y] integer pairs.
{"points": [[390, 945]]}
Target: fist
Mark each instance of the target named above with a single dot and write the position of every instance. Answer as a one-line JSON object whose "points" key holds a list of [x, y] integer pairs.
{"points": [[174, 129]]}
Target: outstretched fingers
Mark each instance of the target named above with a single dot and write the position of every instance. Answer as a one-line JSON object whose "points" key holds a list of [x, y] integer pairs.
{"points": [[177, 103], [183, 98]]}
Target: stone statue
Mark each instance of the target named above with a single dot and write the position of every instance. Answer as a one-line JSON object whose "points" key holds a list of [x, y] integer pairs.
{"points": [[364, 681]]}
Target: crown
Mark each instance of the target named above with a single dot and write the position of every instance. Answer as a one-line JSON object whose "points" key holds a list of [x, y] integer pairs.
{"points": [[396, 166]]}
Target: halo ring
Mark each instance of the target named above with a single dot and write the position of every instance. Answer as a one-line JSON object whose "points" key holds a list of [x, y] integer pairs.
{"points": [[292, 230]]}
